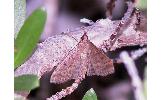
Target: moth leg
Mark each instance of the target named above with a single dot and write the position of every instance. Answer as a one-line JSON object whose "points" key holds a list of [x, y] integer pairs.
{"points": [[65, 92]]}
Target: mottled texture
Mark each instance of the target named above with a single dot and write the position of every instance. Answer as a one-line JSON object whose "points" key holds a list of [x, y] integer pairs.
{"points": [[80, 52], [84, 58], [65, 92], [54, 50], [51, 52], [47, 56]]}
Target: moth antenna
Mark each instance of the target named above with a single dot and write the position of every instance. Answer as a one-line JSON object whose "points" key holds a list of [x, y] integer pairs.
{"points": [[65, 92]]}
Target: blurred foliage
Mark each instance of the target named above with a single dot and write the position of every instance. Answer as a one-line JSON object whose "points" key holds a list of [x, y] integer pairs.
{"points": [[29, 35], [25, 82], [90, 95], [19, 15], [142, 4], [18, 97], [145, 84]]}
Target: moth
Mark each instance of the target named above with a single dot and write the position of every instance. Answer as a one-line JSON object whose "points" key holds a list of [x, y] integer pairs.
{"points": [[84, 59]]}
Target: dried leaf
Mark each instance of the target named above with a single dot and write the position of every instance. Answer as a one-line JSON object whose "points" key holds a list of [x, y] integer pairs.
{"points": [[130, 40]]}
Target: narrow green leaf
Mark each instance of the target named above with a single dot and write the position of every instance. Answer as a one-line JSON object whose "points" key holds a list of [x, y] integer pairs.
{"points": [[26, 82], [29, 35], [90, 95]]}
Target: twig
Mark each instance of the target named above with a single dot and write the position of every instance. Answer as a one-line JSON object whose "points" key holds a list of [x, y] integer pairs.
{"points": [[133, 54], [138, 53], [132, 71], [65, 92]]}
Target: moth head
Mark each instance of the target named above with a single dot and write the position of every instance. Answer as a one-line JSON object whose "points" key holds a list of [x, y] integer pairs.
{"points": [[84, 37]]}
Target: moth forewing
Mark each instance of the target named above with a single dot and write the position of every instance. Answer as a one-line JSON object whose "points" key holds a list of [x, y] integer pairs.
{"points": [[74, 64]]}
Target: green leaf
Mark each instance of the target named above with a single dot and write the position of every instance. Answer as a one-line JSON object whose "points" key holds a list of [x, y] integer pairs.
{"points": [[90, 95], [26, 82], [29, 35], [142, 4]]}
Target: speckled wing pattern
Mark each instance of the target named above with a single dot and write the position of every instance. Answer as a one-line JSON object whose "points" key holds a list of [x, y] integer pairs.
{"points": [[84, 58], [99, 63], [73, 66]]}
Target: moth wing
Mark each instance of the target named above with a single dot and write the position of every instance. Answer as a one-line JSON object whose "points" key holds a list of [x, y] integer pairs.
{"points": [[64, 70], [99, 63], [72, 67]]}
